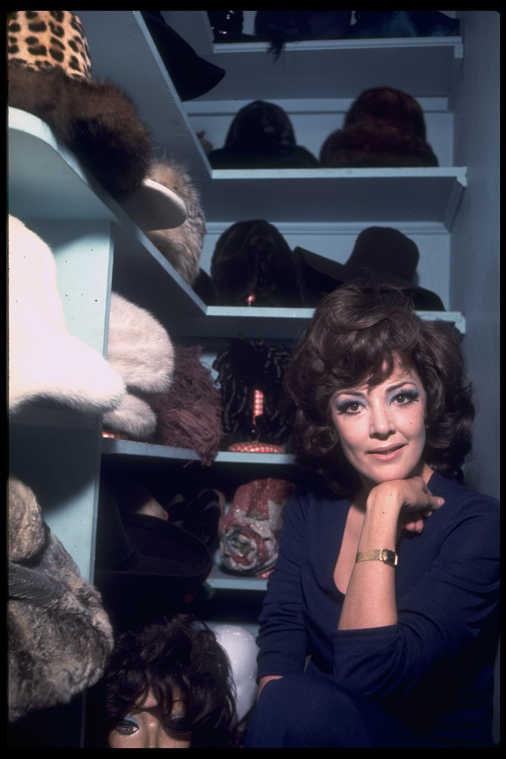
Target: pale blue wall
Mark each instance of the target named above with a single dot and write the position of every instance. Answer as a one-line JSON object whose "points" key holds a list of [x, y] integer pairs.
{"points": [[474, 267]]}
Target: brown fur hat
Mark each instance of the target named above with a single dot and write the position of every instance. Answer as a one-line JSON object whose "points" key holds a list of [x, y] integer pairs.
{"points": [[383, 128], [252, 258], [59, 636], [51, 77], [181, 246]]}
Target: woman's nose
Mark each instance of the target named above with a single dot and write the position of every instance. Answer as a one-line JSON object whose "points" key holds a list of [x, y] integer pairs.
{"points": [[155, 734], [382, 423]]}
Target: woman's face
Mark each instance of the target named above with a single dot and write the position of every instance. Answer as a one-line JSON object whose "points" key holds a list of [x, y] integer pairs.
{"points": [[381, 429], [143, 727]]}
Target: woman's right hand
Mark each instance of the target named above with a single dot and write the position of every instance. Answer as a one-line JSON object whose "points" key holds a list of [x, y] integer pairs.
{"points": [[411, 497]]}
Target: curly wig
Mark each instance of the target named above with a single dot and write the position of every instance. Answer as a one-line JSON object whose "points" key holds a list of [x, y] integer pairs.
{"points": [[179, 655], [357, 336]]}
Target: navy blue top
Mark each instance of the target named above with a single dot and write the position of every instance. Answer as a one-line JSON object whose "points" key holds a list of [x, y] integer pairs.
{"points": [[434, 668]]}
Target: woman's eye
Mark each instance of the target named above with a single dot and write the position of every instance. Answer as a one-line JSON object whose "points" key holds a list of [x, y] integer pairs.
{"points": [[127, 726], [406, 397], [349, 407]]}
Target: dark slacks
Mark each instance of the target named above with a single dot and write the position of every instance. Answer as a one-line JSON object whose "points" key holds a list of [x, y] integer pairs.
{"points": [[304, 711]]}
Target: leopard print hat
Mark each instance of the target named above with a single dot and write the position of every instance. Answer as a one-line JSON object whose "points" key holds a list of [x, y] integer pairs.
{"points": [[45, 39]]}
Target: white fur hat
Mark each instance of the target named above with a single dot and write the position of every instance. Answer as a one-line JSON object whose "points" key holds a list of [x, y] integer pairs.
{"points": [[45, 361], [140, 351]]}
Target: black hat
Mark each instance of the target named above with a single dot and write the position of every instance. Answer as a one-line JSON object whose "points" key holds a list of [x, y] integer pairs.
{"points": [[381, 256], [192, 75], [144, 564]]}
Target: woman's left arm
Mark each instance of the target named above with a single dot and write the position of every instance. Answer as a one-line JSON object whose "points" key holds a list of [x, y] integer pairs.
{"points": [[370, 597], [448, 598]]}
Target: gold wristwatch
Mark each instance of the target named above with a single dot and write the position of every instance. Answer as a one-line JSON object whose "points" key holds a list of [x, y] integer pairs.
{"points": [[383, 554]]}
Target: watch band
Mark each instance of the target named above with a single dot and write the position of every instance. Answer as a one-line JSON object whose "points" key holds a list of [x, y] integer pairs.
{"points": [[383, 554]]}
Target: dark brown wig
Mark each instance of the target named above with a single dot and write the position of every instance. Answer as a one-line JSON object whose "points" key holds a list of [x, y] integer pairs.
{"points": [[180, 655], [356, 336]]}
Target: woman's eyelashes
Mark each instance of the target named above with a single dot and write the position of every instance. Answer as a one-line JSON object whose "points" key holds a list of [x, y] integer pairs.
{"points": [[352, 406], [348, 407], [128, 725], [406, 397]]}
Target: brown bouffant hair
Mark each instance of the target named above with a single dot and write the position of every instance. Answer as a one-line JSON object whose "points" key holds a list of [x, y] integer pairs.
{"points": [[356, 336], [177, 655]]}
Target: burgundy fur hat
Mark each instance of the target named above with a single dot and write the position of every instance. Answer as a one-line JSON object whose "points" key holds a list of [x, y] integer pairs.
{"points": [[383, 128], [189, 414]]}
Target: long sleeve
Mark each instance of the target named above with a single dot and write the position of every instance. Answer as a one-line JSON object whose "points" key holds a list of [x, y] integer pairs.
{"points": [[283, 636], [434, 668], [447, 589]]}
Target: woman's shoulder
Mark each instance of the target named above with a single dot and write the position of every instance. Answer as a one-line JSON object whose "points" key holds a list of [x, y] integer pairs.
{"points": [[465, 505], [450, 487]]}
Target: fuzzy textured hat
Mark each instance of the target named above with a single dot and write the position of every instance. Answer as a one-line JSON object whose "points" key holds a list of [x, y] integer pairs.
{"points": [[45, 361], [182, 246], [383, 128], [252, 263], [50, 76], [59, 636], [142, 353], [261, 136], [189, 415]]}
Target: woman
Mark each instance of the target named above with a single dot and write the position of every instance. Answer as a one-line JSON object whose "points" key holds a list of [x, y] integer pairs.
{"points": [[379, 627], [168, 685]]}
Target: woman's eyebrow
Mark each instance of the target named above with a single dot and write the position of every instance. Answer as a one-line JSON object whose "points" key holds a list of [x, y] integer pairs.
{"points": [[388, 389], [399, 384]]}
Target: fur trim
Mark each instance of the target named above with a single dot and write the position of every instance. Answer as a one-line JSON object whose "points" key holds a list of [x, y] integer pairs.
{"points": [[181, 246], [94, 118], [60, 637], [139, 348], [383, 128], [189, 415], [133, 418], [27, 535], [44, 360]]}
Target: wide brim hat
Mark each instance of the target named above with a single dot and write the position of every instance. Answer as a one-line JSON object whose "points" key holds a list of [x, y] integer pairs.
{"points": [[143, 563], [191, 75], [153, 206], [381, 256]]}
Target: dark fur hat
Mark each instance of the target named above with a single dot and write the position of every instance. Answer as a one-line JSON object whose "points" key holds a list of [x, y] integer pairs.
{"points": [[252, 258], [383, 128], [95, 119], [261, 136]]}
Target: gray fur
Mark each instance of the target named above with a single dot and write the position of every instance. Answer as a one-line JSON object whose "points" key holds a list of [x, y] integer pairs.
{"points": [[59, 636], [181, 246]]}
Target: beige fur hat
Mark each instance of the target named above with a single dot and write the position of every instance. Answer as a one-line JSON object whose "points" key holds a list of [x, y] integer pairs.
{"points": [[141, 351]]}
